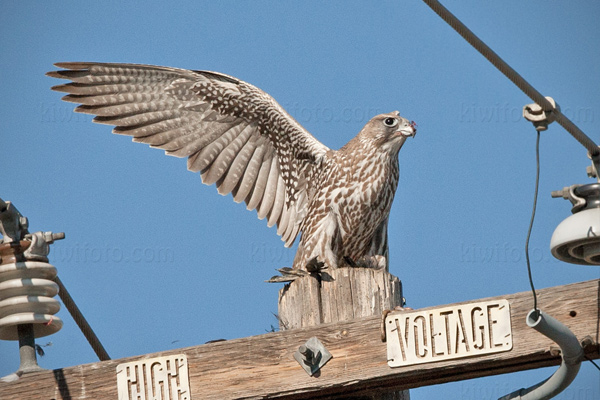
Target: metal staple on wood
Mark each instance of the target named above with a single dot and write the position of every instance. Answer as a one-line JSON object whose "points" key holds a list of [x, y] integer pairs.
{"points": [[513, 75]]}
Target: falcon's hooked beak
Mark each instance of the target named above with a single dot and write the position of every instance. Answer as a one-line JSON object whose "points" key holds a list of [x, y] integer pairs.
{"points": [[407, 129]]}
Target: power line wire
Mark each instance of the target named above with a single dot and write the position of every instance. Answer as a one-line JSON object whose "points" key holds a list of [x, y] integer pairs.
{"points": [[81, 322], [513, 75]]}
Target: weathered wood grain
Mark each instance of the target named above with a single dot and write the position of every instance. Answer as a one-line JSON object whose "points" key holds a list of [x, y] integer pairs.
{"points": [[262, 367], [341, 294]]}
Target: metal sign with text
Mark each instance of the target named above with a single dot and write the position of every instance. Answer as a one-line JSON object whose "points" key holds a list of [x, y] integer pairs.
{"points": [[164, 378], [467, 330]]}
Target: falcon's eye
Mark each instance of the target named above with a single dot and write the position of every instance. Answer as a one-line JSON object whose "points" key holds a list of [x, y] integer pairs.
{"points": [[389, 121]]}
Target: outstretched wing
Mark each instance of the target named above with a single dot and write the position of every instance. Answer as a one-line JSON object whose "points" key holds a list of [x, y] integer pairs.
{"points": [[233, 133]]}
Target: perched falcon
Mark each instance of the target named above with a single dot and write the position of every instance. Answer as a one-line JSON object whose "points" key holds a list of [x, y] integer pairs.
{"points": [[241, 139]]}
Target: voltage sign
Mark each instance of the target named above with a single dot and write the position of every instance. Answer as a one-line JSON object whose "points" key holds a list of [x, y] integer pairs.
{"points": [[417, 337]]}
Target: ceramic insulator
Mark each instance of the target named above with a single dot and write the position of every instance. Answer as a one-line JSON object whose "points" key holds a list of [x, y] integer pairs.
{"points": [[26, 291]]}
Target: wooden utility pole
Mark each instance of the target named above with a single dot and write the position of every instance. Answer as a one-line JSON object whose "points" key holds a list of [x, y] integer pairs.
{"points": [[341, 294], [263, 367]]}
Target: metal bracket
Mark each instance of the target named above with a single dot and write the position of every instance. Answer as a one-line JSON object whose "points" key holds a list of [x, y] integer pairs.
{"points": [[568, 193], [40, 245], [13, 226], [580, 196], [312, 355], [593, 171], [540, 117]]}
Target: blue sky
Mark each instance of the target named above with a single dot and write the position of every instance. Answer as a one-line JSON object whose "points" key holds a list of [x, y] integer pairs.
{"points": [[158, 261]]}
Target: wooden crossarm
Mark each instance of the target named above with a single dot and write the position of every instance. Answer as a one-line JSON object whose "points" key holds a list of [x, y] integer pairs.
{"points": [[264, 367]]}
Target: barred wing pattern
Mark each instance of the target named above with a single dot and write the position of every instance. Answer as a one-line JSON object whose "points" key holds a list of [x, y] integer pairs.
{"points": [[233, 133]]}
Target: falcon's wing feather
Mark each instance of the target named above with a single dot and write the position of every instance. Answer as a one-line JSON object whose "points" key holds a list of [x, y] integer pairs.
{"points": [[233, 133]]}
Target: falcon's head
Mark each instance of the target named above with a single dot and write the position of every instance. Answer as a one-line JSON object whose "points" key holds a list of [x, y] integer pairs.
{"points": [[389, 131]]}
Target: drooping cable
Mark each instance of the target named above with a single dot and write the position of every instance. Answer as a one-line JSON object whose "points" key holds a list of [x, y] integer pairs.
{"points": [[535, 197], [513, 75], [532, 93]]}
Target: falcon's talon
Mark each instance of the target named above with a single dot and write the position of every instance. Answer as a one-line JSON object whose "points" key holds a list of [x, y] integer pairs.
{"points": [[240, 139], [314, 266], [287, 275], [373, 262], [351, 262]]}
